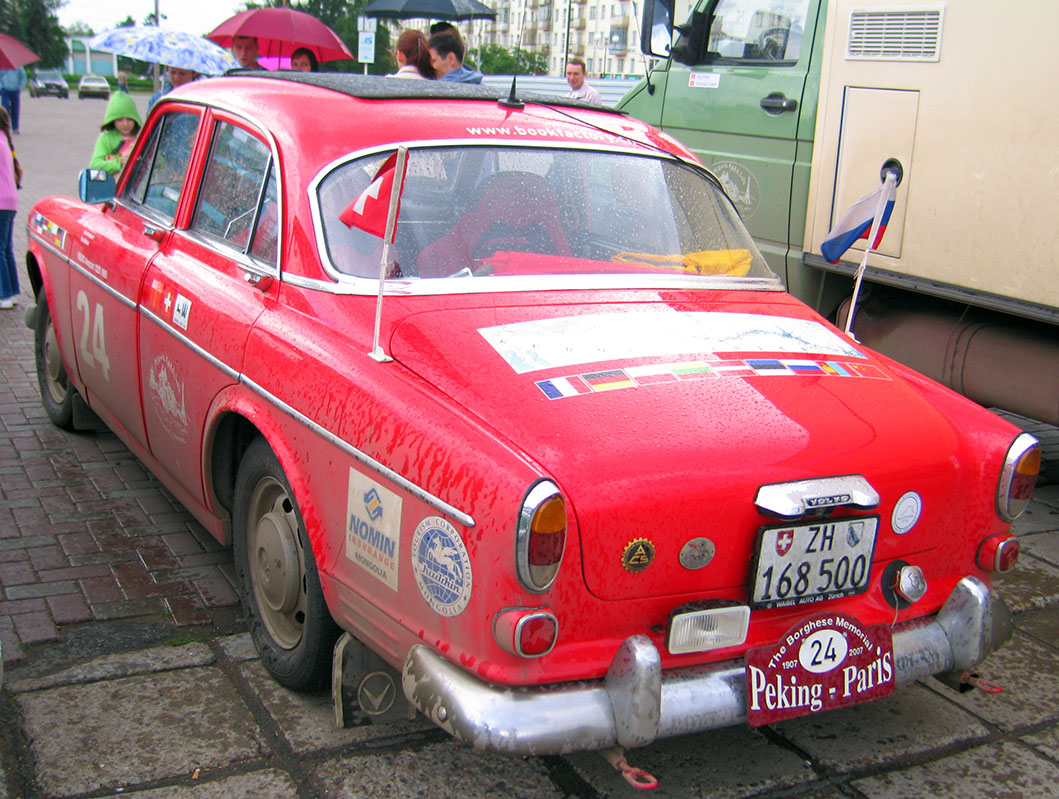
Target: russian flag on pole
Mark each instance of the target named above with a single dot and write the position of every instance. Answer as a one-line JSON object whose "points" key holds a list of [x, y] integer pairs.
{"points": [[857, 221]]}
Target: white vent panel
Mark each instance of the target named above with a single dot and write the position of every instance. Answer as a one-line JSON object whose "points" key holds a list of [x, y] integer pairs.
{"points": [[899, 34]]}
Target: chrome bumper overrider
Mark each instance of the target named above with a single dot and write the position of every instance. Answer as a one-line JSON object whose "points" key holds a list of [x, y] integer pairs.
{"points": [[636, 703]]}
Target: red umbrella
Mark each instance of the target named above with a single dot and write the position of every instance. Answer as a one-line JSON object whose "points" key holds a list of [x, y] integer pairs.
{"points": [[14, 54], [281, 31]]}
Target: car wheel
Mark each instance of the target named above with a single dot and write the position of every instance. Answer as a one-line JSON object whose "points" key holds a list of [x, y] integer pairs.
{"points": [[279, 585], [55, 391]]}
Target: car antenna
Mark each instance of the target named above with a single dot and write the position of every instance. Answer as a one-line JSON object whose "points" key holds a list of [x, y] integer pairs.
{"points": [[511, 101]]}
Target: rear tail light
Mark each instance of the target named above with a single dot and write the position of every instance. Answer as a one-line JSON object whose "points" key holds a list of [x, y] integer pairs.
{"points": [[524, 632], [541, 537], [1018, 476], [998, 554], [698, 627]]}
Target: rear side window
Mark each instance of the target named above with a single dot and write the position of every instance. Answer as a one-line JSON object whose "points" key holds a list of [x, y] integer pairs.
{"points": [[237, 201], [157, 178]]}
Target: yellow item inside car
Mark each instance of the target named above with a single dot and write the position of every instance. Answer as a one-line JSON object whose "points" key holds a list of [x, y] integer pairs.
{"points": [[734, 263]]}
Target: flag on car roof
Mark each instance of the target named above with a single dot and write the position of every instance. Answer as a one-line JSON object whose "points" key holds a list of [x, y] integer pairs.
{"points": [[377, 207], [857, 222]]}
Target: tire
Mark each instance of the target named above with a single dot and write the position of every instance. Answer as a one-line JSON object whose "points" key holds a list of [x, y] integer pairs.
{"points": [[278, 583], [55, 392]]}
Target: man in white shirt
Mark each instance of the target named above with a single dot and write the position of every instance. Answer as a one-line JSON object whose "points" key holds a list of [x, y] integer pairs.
{"points": [[579, 90]]}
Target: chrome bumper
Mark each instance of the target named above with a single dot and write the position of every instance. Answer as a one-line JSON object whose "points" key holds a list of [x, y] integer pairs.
{"points": [[636, 703]]}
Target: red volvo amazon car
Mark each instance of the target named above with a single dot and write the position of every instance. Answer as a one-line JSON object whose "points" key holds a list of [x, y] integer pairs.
{"points": [[577, 474]]}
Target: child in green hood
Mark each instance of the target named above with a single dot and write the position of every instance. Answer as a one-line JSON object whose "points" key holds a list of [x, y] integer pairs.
{"points": [[120, 126]]}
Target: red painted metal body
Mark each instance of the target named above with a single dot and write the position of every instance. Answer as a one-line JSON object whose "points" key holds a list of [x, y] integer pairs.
{"points": [[667, 461]]}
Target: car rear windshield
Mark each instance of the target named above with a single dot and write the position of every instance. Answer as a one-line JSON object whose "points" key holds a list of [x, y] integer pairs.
{"points": [[507, 211]]}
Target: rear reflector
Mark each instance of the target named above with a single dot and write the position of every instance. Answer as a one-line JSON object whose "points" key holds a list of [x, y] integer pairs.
{"points": [[526, 632], [693, 628], [998, 554]]}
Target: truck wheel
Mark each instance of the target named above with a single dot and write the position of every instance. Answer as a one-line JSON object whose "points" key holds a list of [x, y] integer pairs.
{"points": [[55, 391], [278, 582]]}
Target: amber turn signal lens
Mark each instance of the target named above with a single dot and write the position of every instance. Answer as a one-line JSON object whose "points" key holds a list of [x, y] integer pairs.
{"points": [[1018, 476], [541, 536]]}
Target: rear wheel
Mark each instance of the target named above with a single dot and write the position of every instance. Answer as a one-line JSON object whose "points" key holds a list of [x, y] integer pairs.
{"points": [[279, 584], [55, 391]]}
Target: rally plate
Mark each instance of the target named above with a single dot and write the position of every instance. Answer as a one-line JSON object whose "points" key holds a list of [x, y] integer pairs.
{"points": [[822, 663], [802, 563]]}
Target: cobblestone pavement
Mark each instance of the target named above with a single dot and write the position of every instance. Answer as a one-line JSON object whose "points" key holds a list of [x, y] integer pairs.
{"points": [[128, 670]]}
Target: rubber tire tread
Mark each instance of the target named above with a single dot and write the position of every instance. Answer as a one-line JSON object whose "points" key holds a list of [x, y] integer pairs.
{"points": [[61, 414], [306, 667]]}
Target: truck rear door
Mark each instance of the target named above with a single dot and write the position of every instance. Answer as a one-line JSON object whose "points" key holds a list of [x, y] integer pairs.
{"points": [[747, 108]]}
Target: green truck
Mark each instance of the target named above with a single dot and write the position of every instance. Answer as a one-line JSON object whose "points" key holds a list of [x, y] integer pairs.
{"points": [[799, 106]]}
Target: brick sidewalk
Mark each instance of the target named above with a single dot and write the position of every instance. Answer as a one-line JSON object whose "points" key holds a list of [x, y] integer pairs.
{"points": [[86, 534]]}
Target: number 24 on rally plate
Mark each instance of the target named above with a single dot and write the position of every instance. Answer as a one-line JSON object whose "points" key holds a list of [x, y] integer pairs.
{"points": [[821, 663]]}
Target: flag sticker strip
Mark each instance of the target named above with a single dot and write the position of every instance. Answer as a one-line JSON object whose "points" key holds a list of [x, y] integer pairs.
{"points": [[682, 371]]}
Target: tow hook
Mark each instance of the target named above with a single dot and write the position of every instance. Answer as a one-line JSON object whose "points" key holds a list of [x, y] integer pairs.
{"points": [[966, 680], [636, 777], [980, 683]]}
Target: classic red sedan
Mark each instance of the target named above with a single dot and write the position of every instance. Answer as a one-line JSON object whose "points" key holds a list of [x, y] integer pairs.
{"points": [[578, 473]]}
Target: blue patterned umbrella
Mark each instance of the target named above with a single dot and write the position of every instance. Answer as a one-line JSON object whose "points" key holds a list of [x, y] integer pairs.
{"points": [[162, 46]]}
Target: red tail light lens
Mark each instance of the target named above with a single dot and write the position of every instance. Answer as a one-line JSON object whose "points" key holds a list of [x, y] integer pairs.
{"points": [[1018, 477], [526, 632], [541, 536], [998, 554]]}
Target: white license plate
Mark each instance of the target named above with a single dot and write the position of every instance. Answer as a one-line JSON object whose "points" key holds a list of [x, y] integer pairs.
{"points": [[803, 563]]}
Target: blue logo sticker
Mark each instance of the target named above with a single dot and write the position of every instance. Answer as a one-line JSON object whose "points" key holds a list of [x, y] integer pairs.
{"points": [[442, 567], [373, 505]]}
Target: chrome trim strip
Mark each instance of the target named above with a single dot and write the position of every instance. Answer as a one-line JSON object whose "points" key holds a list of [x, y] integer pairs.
{"points": [[94, 278], [439, 504], [191, 345], [638, 702]]}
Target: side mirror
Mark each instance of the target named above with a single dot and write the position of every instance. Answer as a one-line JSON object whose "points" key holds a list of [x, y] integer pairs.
{"points": [[656, 28], [96, 186]]}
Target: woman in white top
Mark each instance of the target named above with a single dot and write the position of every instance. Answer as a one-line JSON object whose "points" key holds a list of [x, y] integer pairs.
{"points": [[413, 56]]}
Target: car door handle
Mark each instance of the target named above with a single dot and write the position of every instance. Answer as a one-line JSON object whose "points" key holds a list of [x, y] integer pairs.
{"points": [[777, 103], [151, 232]]}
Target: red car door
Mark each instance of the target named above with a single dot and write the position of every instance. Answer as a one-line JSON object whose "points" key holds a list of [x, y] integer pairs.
{"points": [[202, 293], [110, 258]]}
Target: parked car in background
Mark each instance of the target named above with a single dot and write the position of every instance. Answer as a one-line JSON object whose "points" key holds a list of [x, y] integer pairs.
{"points": [[49, 81], [93, 86], [565, 460]]}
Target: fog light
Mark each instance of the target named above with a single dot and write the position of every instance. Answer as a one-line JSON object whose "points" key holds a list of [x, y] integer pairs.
{"points": [[529, 633], [998, 554], [702, 626], [910, 583]]}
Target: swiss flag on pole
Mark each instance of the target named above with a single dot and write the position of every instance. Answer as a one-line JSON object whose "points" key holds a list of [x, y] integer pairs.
{"points": [[378, 206]]}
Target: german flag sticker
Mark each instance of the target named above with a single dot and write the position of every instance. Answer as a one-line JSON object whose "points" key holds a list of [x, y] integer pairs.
{"points": [[638, 555]]}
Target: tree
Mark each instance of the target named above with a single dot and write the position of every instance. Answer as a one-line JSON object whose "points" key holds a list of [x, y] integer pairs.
{"points": [[79, 29], [42, 32], [497, 60]]}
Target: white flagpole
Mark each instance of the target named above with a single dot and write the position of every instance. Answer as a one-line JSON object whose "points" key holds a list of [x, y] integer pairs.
{"points": [[888, 192], [391, 222]]}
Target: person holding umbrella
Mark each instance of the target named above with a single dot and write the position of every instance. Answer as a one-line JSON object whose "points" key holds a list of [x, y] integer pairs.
{"points": [[244, 48], [12, 82]]}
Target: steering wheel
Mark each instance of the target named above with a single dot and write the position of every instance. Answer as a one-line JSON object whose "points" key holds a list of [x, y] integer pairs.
{"points": [[772, 43]]}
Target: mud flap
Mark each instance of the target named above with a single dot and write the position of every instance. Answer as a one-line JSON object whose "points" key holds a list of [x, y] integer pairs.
{"points": [[364, 687]]}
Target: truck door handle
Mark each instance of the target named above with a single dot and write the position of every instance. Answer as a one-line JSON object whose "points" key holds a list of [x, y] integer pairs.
{"points": [[777, 103]]}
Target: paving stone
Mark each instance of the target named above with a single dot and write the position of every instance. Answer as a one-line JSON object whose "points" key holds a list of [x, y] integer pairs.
{"points": [[1040, 624], [1046, 741], [38, 590], [307, 721], [69, 609], [1026, 671], [912, 721], [35, 628], [719, 764], [1032, 584], [120, 733], [1041, 545], [187, 611], [444, 769], [126, 609], [127, 664], [267, 784], [238, 647], [997, 771], [1037, 518], [1048, 495]]}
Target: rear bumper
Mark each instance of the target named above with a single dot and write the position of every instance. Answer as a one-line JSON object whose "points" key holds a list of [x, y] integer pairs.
{"points": [[637, 703]]}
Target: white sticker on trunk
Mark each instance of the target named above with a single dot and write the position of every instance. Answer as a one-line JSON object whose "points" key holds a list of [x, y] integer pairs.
{"points": [[592, 338], [373, 528]]}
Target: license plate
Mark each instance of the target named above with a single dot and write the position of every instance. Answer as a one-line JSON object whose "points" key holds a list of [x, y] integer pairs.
{"points": [[803, 563], [822, 663]]}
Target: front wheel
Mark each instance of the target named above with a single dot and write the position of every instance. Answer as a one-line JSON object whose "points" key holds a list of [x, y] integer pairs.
{"points": [[55, 392], [279, 585]]}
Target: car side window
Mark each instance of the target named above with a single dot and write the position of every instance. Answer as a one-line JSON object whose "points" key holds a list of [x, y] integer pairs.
{"points": [[758, 30], [237, 200], [158, 175]]}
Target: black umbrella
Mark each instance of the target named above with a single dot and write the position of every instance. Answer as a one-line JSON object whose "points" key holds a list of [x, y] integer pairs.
{"points": [[429, 9]]}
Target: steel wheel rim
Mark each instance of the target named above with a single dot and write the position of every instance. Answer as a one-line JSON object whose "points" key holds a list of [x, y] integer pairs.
{"points": [[276, 562], [54, 372]]}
